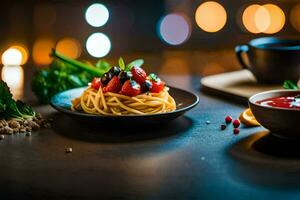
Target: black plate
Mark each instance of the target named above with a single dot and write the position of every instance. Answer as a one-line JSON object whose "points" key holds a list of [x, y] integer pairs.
{"points": [[184, 101]]}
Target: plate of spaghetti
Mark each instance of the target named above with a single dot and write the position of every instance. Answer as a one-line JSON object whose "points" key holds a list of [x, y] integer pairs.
{"points": [[125, 94]]}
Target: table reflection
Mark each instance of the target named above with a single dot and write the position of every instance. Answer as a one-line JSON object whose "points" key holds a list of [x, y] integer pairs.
{"points": [[13, 75]]}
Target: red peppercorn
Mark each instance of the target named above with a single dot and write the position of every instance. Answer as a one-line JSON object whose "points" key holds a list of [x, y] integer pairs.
{"points": [[223, 127], [228, 120], [236, 131], [236, 123]]}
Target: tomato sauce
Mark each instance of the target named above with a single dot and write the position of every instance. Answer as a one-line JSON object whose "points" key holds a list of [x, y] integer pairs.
{"points": [[282, 102]]}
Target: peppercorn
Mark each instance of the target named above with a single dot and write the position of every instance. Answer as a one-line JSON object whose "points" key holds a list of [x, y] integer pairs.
{"points": [[228, 119], [236, 123], [223, 127], [236, 131]]}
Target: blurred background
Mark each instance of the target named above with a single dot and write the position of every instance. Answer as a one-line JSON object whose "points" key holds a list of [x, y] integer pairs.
{"points": [[173, 36]]}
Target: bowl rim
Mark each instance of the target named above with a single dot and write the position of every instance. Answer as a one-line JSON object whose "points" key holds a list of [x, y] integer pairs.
{"points": [[251, 99], [257, 42]]}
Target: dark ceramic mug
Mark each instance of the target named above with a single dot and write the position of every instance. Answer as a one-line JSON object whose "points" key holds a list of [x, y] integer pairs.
{"points": [[271, 59]]}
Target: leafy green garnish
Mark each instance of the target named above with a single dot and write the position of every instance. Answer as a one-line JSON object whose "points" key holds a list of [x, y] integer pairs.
{"points": [[290, 85], [122, 63], [10, 108], [103, 65], [134, 63], [65, 73], [2, 107], [60, 76], [77, 64], [24, 108], [5, 97]]}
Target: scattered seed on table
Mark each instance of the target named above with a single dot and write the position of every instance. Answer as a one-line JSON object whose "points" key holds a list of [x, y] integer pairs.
{"points": [[207, 122], [28, 134], [22, 130], [223, 127], [69, 150], [1, 137]]}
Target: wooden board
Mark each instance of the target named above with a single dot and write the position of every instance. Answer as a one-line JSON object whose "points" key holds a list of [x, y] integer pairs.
{"points": [[237, 85]]}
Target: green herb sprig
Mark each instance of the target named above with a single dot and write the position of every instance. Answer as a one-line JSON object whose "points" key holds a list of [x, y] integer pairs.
{"points": [[290, 85], [134, 63], [9, 108]]}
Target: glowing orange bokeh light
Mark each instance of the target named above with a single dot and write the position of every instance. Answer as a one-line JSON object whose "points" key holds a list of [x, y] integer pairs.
{"points": [[23, 51], [262, 19], [248, 18], [70, 47], [295, 17], [9, 56], [267, 18], [277, 18], [41, 51], [211, 16]]}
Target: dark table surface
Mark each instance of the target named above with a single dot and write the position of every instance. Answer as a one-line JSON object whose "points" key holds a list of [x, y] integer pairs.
{"points": [[186, 159]]}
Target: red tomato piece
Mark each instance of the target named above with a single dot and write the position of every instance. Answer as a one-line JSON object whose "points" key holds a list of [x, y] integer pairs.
{"points": [[139, 75], [96, 83], [131, 88], [114, 85]]}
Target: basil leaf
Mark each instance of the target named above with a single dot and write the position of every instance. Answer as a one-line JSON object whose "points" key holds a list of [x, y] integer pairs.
{"points": [[135, 63], [103, 65], [290, 85], [122, 63]]}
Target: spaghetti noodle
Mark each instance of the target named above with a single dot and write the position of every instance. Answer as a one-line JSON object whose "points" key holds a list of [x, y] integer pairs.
{"points": [[97, 102]]}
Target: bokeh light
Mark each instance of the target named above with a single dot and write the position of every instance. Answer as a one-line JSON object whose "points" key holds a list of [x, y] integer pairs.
{"points": [[277, 18], [174, 29], [24, 52], [97, 15], [211, 16], [12, 56], [248, 18], [295, 17], [175, 65], [267, 18], [70, 47], [14, 77], [262, 19], [98, 45], [41, 51]]}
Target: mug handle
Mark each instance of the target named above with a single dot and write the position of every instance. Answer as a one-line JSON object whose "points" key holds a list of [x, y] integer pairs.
{"points": [[238, 51]]}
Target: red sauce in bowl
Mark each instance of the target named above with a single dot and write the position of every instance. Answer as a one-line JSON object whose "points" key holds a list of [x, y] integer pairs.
{"points": [[292, 102]]}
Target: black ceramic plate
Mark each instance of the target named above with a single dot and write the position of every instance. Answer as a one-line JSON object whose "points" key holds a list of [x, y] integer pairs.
{"points": [[184, 101]]}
